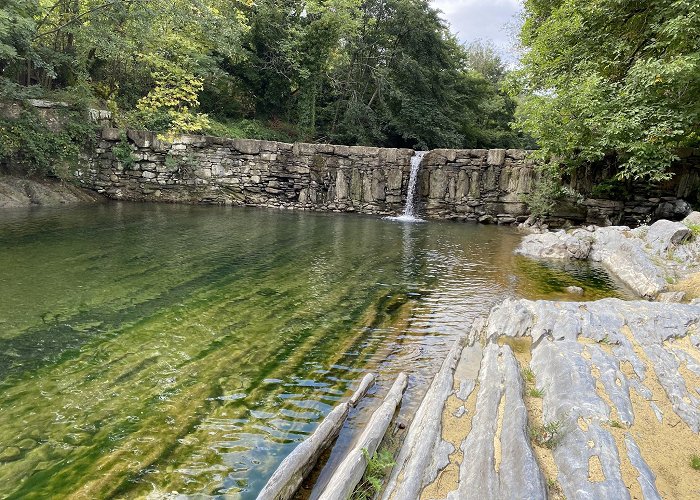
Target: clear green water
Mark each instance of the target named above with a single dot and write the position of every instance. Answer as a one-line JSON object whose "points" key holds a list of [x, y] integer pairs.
{"points": [[151, 348]]}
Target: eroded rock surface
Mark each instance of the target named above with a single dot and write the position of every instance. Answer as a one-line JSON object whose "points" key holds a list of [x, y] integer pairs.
{"points": [[593, 400], [647, 259], [16, 192]]}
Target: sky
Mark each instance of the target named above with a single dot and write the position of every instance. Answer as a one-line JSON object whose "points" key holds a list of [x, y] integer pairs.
{"points": [[487, 20]]}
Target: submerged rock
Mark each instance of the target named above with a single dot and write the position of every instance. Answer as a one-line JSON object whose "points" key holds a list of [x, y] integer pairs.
{"points": [[10, 454]]}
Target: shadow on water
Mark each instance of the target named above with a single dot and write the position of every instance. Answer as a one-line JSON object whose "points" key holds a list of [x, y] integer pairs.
{"points": [[156, 348]]}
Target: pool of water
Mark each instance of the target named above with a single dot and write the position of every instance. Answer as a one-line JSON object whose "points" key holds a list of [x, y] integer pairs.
{"points": [[151, 349]]}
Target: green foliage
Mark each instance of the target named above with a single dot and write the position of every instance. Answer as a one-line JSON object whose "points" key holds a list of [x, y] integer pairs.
{"points": [[535, 393], [123, 153], [378, 466], [695, 229], [611, 77], [253, 129], [28, 146], [528, 375], [695, 462], [380, 72], [612, 189], [548, 190], [547, 436]]}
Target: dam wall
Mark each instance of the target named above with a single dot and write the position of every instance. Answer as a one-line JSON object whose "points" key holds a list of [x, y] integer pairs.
{"points": [[488, 186]]}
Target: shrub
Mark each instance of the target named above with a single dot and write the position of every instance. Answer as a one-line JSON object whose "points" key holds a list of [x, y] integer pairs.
{"points": [[29, 147]]}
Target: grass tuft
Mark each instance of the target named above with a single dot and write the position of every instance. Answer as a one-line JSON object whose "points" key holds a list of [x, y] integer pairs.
{"points": [[528, 375], [535, 393], [548, 435]]}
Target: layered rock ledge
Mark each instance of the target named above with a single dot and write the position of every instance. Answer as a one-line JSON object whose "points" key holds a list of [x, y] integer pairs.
{"points": [[16, 192], [562, 400], [649, 259]]}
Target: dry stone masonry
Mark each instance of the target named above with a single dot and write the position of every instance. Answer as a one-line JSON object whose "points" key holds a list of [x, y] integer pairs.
{"points": [[464, 184], [482, 185]]}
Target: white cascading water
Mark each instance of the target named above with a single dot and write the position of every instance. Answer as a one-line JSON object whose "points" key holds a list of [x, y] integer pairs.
{"points": [[409, 214]]}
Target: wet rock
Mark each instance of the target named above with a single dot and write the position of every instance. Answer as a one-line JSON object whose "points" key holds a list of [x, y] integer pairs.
{"points": [[10, 454], [17, 192], [640, 258], [556, 245]]}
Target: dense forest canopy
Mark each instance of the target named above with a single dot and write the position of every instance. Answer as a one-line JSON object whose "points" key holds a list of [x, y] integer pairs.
{"points": [[376, 72], [611, 76]]}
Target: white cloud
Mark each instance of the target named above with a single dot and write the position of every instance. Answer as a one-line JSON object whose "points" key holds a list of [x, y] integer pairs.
{"points": [[492, 20]]}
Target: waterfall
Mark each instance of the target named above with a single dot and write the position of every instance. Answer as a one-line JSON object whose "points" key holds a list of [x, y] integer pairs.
{"points": [[416, 160], [409, 211]]}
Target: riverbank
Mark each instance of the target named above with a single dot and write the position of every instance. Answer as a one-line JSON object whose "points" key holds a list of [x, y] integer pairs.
{"points": [[17, 192], [547, 399], [660, 261]]}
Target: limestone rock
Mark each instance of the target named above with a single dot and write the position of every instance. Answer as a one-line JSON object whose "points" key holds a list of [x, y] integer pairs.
{"points": [[693, 219], [556, 245], [664, 235], [17, 192], [512, 472]]}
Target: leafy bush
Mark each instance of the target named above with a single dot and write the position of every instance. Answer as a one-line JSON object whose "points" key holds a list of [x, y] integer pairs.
{"points": [[253, 129], [122, 152], [28, 146], [611, 189], [548, 191]]}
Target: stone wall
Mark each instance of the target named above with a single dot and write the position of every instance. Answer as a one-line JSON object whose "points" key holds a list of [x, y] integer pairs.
{"points": [[471, 184], [464, 184]]}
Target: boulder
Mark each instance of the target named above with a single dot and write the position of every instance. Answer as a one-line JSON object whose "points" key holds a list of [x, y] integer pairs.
{"points": [[663, 235], [693, 219], [557, 245]]}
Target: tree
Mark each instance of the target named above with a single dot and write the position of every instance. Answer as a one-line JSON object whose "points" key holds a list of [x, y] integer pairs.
{"points": [[611, 78]]}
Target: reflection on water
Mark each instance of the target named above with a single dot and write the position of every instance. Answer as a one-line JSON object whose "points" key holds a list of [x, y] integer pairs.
{"points": [[152, 348]]}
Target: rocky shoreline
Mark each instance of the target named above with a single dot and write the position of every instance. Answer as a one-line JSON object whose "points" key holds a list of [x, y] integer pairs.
{"points": [[565, 400], [652, 260], [548, 399], [18, 192]]}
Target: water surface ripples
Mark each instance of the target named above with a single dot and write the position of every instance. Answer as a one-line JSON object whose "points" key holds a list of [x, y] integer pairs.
{"points": [[151, 349]]}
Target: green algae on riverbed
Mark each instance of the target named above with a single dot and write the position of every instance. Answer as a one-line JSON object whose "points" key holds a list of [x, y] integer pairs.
{"points": [[168, 348]]}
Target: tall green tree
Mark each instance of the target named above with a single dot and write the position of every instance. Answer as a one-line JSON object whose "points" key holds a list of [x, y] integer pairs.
{"points": [[610, 77]]}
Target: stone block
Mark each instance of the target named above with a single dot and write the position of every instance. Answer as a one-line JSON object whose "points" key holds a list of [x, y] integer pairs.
{"points": [[141, 138], [246, 146], [111, 134], [496, 156]]}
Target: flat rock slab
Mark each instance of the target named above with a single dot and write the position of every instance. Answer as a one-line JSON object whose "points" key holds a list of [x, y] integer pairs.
{"points": [[618, 382], [647, 259]]}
